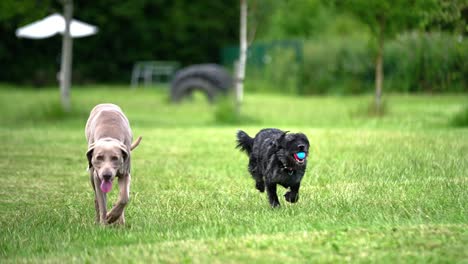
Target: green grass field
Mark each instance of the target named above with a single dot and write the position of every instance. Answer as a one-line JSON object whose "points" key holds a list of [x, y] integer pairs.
{"points": [[390, 189]]}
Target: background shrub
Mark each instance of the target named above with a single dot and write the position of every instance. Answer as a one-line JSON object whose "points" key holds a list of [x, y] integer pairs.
{"points": [[413, 62], [460, 119]]}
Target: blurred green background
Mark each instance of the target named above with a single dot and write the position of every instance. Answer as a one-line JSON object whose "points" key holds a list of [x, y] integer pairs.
{"points": [[300, 46]]}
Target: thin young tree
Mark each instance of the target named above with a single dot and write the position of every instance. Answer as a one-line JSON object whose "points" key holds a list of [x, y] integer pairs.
{"points": [[66, 62], [387, 18], [240, 71]]}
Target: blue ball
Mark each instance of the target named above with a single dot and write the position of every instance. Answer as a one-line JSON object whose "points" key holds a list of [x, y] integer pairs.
{"points": [[301, 155]]}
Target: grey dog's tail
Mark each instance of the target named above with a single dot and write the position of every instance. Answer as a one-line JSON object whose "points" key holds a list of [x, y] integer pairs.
{"points": [[244, 142]]}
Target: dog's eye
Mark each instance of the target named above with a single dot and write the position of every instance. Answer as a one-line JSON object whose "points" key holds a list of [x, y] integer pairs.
{"points": [[114, 158], [99, 158]]}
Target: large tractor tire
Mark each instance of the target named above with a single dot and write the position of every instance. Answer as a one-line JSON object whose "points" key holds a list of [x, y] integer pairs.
{"points": [[186, 87], [211, 79]]}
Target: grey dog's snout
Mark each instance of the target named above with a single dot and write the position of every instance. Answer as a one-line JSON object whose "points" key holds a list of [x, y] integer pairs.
{"points": [[107, 175], [301, 147]]}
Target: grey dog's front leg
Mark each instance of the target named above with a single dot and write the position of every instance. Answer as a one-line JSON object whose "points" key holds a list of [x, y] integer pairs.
{"points": [[117, 212], [100, 200], [96, 205]]}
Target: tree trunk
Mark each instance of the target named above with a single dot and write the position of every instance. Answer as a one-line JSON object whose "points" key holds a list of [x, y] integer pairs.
{"points": [[65, 66], [242, 55], [379, 75]]}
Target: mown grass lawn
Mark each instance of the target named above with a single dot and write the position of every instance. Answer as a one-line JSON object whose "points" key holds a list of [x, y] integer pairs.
{"points": [[391, 189]]}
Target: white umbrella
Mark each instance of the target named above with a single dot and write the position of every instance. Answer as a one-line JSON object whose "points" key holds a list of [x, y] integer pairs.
{"points": [[69, 28], [54, 24]]}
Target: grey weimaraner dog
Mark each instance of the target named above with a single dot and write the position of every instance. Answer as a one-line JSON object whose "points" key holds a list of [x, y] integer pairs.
{"points": [[109, 144]]}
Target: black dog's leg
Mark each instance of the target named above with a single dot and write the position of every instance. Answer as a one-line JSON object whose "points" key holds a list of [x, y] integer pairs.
{"points": [[260, 184], [293, 195], [272, 196]]}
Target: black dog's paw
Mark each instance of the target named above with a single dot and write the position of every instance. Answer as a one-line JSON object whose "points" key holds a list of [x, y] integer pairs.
{"points": [[260, 185], [274, 204], [291, 197]]}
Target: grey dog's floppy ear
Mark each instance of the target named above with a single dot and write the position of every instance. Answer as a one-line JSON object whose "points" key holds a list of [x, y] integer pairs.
{"points": [[125, 151], [125, 169], [89, 155]]}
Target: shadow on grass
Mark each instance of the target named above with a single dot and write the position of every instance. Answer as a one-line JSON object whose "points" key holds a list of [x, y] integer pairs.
{"points": [[460, 119], [46, 112], [369, 109], [226, 114]]}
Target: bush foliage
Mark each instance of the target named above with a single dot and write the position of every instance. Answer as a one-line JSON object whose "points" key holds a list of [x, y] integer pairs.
{"points": [[460, 119], [413, 62]]}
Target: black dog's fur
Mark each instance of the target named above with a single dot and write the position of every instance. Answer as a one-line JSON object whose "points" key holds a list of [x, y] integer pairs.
{"points": [[272, 161]]}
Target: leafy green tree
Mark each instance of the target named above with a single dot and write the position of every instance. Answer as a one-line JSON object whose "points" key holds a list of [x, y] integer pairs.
{"points": [[282, 19], [452, 15], [11, 10]]}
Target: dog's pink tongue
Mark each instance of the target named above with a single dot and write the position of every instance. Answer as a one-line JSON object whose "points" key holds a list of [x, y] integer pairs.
{"points": [[106, 186]]}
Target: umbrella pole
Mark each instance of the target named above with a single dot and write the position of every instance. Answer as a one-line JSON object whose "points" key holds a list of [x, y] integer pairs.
{"points": [[66, 63]]}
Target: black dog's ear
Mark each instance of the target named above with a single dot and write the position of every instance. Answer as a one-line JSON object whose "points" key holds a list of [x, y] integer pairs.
{"points": [[304, 138], [280, 142]]}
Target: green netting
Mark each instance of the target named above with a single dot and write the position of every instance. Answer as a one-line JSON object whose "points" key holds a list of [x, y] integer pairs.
{"points": [[260, 54]]}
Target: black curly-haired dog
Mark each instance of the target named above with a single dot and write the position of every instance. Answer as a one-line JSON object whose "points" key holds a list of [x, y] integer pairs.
{"points": [[276, 157]]}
